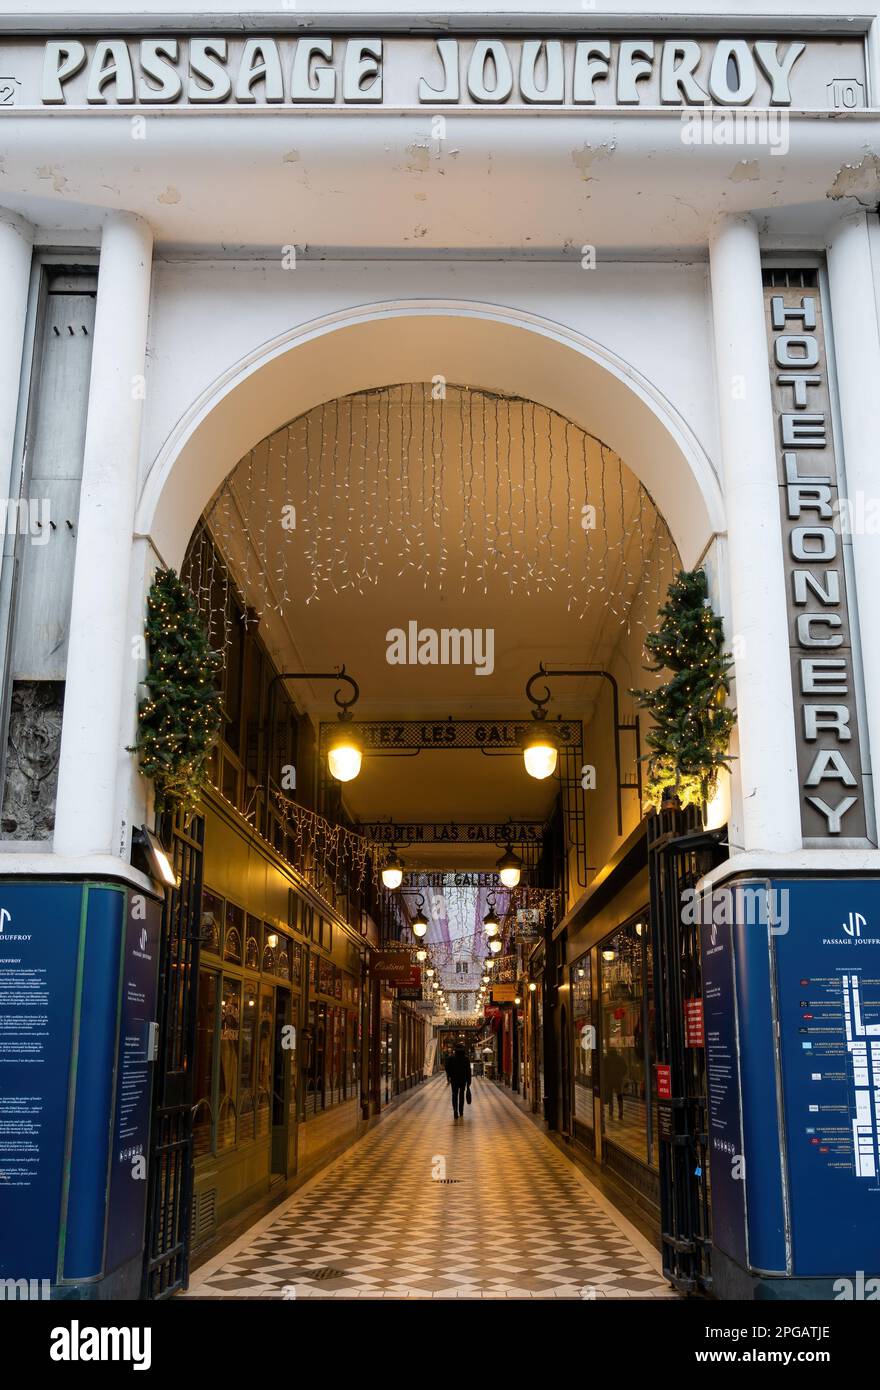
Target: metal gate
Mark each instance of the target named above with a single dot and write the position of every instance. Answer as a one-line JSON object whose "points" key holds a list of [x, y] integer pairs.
{"points": [[169, 1194], [680, 851]]}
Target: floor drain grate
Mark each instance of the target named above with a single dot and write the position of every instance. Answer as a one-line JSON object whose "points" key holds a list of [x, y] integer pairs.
{"points": [[446, 1182], [321, 1273]]}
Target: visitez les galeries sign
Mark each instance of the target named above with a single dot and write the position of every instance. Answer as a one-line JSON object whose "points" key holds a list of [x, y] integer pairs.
{"points": [[214, 70]]}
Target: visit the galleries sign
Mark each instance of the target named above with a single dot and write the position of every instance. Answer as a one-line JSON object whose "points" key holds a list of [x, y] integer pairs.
{"points": [[599, 71]]}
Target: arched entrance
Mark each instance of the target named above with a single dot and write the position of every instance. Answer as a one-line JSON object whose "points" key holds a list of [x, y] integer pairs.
{"points": [[486, 346], [480, 354]]}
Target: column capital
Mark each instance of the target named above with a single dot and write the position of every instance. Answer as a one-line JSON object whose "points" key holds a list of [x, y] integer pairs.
{"points": [[850, 219], [121, 217], [17, 224], [729, 222]]}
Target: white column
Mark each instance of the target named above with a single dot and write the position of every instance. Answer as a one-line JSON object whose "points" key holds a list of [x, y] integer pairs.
{"points": [[15, 272], [767, 764], [852, 279], [100, 656]]}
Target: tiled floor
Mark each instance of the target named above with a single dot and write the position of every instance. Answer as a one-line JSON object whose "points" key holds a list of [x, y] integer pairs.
{"points": [[430, 1207]]}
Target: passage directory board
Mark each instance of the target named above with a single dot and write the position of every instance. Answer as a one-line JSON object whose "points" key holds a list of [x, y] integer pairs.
{"points": [[828, 990]]}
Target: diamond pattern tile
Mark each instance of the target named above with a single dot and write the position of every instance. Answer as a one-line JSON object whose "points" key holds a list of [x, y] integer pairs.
{"points": [[517, 1221]]}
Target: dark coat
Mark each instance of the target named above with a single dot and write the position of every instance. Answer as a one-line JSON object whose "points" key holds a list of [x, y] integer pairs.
{"points": [[458, 1068]]}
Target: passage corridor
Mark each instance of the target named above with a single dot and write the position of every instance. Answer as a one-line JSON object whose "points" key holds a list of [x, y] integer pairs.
{"points": [[429, 1207]]}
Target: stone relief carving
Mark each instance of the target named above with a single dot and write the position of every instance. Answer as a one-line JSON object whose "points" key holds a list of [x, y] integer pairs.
{"points": [[32, 760]]}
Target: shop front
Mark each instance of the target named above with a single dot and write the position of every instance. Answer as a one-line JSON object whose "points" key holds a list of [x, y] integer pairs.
{"points": [[279, 1034], [612, 1029]]}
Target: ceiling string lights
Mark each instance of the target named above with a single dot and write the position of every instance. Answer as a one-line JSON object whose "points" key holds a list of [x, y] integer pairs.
{"points": [[465, 492]]}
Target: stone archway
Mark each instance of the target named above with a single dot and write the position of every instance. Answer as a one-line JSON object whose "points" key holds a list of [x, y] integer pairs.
{"points": [[488, 347]]}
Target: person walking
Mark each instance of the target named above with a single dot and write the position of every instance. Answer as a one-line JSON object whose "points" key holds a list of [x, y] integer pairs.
{"points": [[458, 1069]]}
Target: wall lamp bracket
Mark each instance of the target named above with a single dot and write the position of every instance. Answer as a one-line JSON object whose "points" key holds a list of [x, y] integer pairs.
{"points": [[539, 703]]}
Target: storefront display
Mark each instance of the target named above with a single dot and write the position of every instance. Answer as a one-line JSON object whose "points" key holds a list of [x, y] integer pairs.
{"points": [[236, 1024], [625, 1021], [584, 1040]]}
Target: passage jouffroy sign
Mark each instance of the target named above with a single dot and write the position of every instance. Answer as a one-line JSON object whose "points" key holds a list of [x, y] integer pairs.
{"points": [[314, 70]]}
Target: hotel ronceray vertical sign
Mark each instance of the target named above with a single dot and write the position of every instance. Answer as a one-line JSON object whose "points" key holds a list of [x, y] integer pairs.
{"points": [[814, 527], [217, 70]]}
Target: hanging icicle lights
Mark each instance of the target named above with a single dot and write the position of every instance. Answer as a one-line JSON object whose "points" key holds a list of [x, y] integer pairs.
{"points": [[452, 489]]}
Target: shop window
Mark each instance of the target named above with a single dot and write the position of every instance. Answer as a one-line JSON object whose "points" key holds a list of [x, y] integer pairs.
{"points": [[211, 922], [315, 1094], [296, 965], [264, 1060], [584, 1039], [232, 939], [230, 1033], [325, 976], [246, 1104], [203, 1080], [387, 1061], [281, 954], [625, 1052], [293, 916], [352, 1052], [252, 944], [282, 967], [332, 1057]]}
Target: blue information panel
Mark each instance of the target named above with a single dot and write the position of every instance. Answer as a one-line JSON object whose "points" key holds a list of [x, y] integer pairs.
{"points": [[828, 990], [39, 946], [131, 1118], [723, 1087]]}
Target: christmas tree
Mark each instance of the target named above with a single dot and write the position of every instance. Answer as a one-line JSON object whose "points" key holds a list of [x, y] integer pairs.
{"points": [[692, 722], [179, 722]]}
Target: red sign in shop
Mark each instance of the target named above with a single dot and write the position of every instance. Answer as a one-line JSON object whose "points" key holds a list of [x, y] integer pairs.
{"points": [[663, 1074], [693, 1023]]}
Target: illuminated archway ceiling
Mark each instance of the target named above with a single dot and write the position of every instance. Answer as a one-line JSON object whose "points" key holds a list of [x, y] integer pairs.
{"points": [[453, 509]]}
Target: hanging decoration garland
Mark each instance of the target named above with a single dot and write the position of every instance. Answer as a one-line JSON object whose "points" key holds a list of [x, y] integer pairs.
{"points": [[324, 849], [692, 722], [461, 491], [180, 720]]}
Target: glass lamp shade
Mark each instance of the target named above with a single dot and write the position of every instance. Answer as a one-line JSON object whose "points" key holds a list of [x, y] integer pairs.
{"points": [[540, 755], [491, 923], [532, 986], [392, 871], [419, 926], [421, 954], [430, 972], [495, 945], [344, 755], [509, 866]]}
